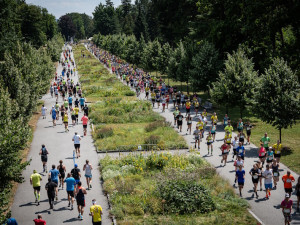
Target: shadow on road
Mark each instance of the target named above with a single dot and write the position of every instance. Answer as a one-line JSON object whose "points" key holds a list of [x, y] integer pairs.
{"points": [[70, 220]]}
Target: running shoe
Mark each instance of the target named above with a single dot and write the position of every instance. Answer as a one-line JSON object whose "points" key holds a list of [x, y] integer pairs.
{"points": [[79, 216]]}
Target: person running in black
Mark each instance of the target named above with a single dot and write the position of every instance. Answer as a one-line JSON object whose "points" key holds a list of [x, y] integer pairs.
{"points": [[80, 192], [86, 110], [76, 173], [44, 157], [62, 173], [51, 187]]}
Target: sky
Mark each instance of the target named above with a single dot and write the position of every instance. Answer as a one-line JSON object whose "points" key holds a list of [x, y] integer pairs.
{"points": [[61, 7]]}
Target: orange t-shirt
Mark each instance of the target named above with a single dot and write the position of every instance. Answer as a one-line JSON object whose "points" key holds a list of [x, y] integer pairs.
{"points": [[84, 120], [288, 181]]}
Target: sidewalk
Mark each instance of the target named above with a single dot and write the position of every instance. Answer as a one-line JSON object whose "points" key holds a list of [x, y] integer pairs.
{"points": [[60, 147], [268, 211]]}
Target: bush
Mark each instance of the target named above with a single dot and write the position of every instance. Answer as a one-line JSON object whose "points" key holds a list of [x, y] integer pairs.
{"points": [[153, 139], [105, 132], [156, 124], [185, 197]]}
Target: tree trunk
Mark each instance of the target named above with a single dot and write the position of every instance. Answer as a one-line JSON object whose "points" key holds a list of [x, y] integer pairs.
{"points": [[280, 135]]}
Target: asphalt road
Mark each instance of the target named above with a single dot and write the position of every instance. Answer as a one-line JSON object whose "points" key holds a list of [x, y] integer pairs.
{"points": [[266, 211], [60, 147]]}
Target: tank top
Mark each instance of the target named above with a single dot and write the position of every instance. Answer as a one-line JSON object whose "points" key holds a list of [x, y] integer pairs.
{"points": [[88, 170], [44, 152], [80, 195], [61, 169], [262, 151]]}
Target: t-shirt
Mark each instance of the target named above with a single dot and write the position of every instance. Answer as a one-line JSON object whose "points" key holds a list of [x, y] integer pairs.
{"points": [[228, 128], [39, 222], [267, 174], [51, 188], [81, 101], [54, 174], [270, 155], [11, 221], [76, 139], [70, 181], [200, 125], [240, 175], [286, 205], [226, 120], [70, 99], [265, 141], [224, 148], [287, 180], [96, 210], [66, 103], [255, 173], [36, 178], [214, 119], [86, 109], [179, 117], [240, 150], [75, 173], [76, 110], [277, 148], [84, 120]]}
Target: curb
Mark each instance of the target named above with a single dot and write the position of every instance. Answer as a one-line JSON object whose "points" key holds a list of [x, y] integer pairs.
{"points": [[113, 219], [114, 151]]}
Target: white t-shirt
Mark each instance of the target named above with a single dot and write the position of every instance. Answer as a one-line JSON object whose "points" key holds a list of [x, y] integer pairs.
{"points": [[44, 110], [268, 176], [235, 144], [88, 170], [76, 139]]}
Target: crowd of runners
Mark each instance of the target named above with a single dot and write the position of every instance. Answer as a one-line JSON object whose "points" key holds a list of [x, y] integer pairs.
{"points": [[68, 104], [164, 96]]}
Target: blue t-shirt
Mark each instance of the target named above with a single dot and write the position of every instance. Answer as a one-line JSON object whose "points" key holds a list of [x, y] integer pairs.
{"points": [[240, 150], [53, 113], [70, 99], [54, 174], [81, 101], [11, 221], [70, 183], [240, 176]]}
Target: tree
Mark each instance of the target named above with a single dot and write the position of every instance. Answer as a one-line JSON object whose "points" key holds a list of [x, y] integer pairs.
{"points": [[141, 26], [205, 66], [67, 27], [277, 101], [237, 84], [163, 58]]}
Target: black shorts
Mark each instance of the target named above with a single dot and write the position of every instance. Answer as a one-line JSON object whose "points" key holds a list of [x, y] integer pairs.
{"points": [[62, 113], [288, 190], [261, 157], [269, 161], [226, 153], [248, 133], [62, 175], [241, 183], [37, 188], [85, 126], [277, 155], [66, 123], [239, 129], [81, 202], [188, 110], [77, 146], [179, 123], [298, 193], [97, 223], [71, 193], [209, 143], [76, 116], [234, 151], [44, 158], [73, 117], [70, 104], [255, 181]]}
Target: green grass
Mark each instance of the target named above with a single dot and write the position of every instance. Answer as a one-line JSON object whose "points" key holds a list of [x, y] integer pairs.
{"points": [[121, 120], [136, 184]]}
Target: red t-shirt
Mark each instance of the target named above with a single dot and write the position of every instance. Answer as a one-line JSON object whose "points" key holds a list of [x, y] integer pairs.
{"points": [[224, 147], [288, 181], [84, 120], [39, 222]]}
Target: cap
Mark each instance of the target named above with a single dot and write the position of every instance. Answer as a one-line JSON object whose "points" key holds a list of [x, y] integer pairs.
{"points": [[287, 195], [76, 165], [239, 156]]}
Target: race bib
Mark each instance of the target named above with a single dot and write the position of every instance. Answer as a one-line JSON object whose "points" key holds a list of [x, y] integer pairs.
{"points": [[228, 140], [287, 211], [266, 142], [255, 177], [248, 128], [288, 180], [275, 174], [278, 152], [225, 151], [262, 154], [241, 151]]}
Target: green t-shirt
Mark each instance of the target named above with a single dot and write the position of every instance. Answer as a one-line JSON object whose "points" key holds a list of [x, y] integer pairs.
{"points": [[265, 141], [36, 178], [66, 104], [228, 128]]}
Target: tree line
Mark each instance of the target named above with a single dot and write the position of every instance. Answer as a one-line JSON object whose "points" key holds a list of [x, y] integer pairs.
{"points": [[29, 46]]}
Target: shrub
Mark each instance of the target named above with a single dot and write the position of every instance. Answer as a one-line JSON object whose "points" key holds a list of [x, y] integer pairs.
{"points": [[108, 174], [153, 139], [129, 93], [185, 197], [156, 161], [105, 132], [156, 124]]}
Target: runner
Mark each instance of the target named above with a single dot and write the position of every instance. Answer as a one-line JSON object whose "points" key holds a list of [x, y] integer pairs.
{"points": [[76, 109], [188, 107], [82, 101], [270, 155], [248, 130], [84, 120], [204, 116], [80, 199], [179, 119], [297, 189], [255, 172], [240, 126], [163, 102], [96, 213], [88, 173], [228, 128], [44, 109], [50, 188], [224, 149], [53, 174], [235, 145], [286, 206], [76, 138], [66, 104], [39, 220], [53, 113], [197, 137], [62, 112], [240, 176], [265, 140], [275, 169], [62, 173], [35, 181], [260, 176], [70, 181], [238, 162], [277, 151], [44, 157], [288, 179], [66, 121], [51, 90], [227, 139], [214, 118], [70, 100], [189, 123], [86, 110], [76, 103], [213, 129], [76, 173], [226, 120], [268, 175], [73, 117], [196, 105], [241, 136], [262, 154], [209, 140], [200, 124]]}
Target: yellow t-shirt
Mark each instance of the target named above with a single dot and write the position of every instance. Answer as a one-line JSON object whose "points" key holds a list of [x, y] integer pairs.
{"points": [[277, 148], [200, 124], [76, 110], [228, 138], [66, 117], [204, 114], [96, 210], [214, 119], [36, 178]]}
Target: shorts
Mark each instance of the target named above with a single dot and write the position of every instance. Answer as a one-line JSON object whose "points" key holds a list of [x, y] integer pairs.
{"points": [[44, 158], [209, 143], [70, 104], [179, 123], [55, 181], [188, 110], [255, 181], [54, 117], [248, 133], [76, 116], [97, 223], [288, 190], [269, 161], [261, 157], [153, 100], [268, 186], [241, 183], [241, 139], [77, 146], [226, 153], [77, 181], [89, 176], [62, 113], [234, 151], [267, 148], [196, 137], [239, 129], [81, 202], [66, 123], [73, 117], [213, 132], [85, 126], [37, 188], [298, 193], [277, 155], [71, 193], [62, 175]]}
